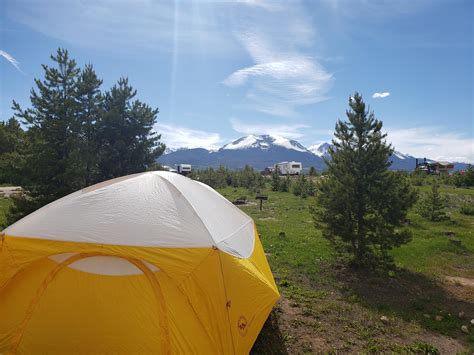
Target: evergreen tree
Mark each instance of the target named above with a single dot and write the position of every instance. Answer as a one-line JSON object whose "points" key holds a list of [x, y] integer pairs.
{"points": [[91, 108], [52, 167], [310, 187], [299, 188], [12, 151], [312, 171], [285, 184], [432, 205], [276, 179], [360, 203], [126, 138], [77, 136]]}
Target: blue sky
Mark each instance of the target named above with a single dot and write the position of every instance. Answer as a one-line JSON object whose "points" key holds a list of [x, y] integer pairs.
{"points": [[220, 69]]}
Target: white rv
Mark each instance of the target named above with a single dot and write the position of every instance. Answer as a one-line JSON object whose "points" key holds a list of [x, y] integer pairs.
{"points": [[169, 168], [184, 169], [289, 168]]}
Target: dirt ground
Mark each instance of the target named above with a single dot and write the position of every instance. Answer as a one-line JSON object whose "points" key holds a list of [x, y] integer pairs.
{"points": [[7, 191], [362, 313]]}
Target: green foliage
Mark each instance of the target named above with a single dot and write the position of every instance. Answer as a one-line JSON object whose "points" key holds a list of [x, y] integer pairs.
{"points": [[77, 135], [419, 348], [312, 171], [304, 187], [285, 184], [276, 179], [360, 203], [467, 209], [12, 150], [432, 205], [464, 178], [125, 133], [222, 177], [4, 206]]}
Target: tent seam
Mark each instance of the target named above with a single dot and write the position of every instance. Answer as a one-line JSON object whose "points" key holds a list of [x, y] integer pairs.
{"points": [[167, 182], [204, 224], [227, 300]]}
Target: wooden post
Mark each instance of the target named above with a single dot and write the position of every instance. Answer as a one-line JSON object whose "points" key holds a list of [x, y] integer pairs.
{"points": [[261, 198]]}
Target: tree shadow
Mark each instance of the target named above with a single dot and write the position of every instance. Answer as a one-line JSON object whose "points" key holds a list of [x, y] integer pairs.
{"points": [[270, 340], [411, 296]]}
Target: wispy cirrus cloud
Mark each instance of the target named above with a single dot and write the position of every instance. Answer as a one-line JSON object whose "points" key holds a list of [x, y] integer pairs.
{"points": [[11, 60], [380, 95], [264, 4], [175, 136], [283, 77], [433, 142], [128, 25], [293, 131]]}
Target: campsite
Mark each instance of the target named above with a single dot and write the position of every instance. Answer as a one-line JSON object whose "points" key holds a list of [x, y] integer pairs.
{"points": [[236, 177], [326, 307]]}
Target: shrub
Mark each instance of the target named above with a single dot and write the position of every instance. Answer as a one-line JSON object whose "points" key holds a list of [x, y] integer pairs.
{"points": [[467, 209]]}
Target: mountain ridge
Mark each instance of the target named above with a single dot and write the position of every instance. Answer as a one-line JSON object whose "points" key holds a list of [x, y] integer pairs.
{"points": [[265, 150]]}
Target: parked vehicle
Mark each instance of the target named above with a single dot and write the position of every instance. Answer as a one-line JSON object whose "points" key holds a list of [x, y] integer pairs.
{"points": [[169, 168], [433, 167], [184, 169], [289, 168]]}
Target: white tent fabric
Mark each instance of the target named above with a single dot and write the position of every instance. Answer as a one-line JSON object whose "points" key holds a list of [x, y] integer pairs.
{"points": [[174, 212]]}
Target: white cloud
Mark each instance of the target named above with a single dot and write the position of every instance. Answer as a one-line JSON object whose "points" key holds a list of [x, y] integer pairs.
{"points": [[375, 9], [264, 4], [380, 95], [178, 137], [128, 26], [11, 60], [434, 143], [283, 76], [293, 131]]}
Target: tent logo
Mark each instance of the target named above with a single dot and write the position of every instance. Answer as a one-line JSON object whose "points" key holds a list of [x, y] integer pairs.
{"points": [[242, 325]]}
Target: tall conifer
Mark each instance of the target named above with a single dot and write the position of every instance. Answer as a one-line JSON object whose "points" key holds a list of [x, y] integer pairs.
{"points": [[361, 204]]}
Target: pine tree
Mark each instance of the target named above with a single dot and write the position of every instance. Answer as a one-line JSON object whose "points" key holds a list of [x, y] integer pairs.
{"points": [[285, 184], [52, 169], [126, 138], [312, 171], [310, 187], [91, 108], [360, 204], [432, 205], [12, 151], [78, 136], [276, 179], [299, 187]]}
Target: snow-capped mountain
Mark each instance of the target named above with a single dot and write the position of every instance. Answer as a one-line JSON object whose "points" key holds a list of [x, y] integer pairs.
{"points": [[258, 151], [321, 149], [261, 151], [399, 160], [170, 150], [264, 142]]}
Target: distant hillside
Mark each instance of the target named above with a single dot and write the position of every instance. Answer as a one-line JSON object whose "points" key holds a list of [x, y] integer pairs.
{"points": [[260, 151], [257, 151]]}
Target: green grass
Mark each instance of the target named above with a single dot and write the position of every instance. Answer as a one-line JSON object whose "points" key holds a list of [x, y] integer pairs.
{"points": [[309, 274], [287, 232], [303, 248], [4, 204], [430, 250]]}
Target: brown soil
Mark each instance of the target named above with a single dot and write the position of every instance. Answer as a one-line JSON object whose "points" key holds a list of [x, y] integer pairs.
{"points": [[344, 316]]}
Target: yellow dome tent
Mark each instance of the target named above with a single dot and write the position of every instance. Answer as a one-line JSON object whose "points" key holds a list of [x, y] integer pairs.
{"points": [[147, 263]]}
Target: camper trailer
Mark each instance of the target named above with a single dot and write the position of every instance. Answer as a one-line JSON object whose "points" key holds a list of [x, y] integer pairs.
{"points": [[184, 169], [433, 167], [169, 168], [289, 168]]}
